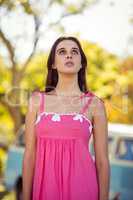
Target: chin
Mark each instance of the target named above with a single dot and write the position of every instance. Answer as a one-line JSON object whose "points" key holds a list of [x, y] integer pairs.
{"points": [[68, 71]]}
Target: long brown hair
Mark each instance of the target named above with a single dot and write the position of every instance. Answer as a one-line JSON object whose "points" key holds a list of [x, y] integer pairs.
{"points": [[52, 77]]}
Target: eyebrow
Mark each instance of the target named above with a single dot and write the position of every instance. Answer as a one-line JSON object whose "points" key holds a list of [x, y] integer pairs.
{"points": [[75, 48]]}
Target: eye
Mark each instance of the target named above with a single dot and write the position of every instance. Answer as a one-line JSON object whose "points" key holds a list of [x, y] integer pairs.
{"points": [[62, 52], [74, 51]]}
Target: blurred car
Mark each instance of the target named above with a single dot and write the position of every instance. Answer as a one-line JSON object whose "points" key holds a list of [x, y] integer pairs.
{"points": [[120, 144], [121, 160], [13, 171], [120, 140]]}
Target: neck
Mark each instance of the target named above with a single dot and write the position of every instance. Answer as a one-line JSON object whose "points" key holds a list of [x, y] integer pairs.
{"points": [[68, 86]]}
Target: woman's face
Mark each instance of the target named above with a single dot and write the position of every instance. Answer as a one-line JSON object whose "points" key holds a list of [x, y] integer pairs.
{"points": [[67, 57]]}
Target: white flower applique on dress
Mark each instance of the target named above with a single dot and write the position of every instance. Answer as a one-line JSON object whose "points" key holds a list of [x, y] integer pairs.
{"points": [[78, 117], [56, 117]]}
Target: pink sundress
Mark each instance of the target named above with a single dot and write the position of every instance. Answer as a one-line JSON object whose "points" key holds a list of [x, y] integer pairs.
{"points": [[64, 168]]}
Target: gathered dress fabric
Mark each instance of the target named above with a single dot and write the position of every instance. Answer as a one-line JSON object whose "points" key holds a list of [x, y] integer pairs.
{"points": [[64, 166]]}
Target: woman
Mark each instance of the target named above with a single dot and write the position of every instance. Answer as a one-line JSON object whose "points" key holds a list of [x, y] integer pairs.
{"points": [[59, 122]]}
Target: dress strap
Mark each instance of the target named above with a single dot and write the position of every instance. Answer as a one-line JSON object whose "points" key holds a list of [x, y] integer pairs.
{"points": [[85, 107], [41, 102]]}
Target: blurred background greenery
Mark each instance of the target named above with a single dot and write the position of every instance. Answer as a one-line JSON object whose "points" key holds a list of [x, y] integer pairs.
{"points": [[23, 63]]}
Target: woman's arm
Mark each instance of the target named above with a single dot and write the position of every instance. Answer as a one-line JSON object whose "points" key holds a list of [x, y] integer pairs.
{"points": [[100, 132], [30, 149]]}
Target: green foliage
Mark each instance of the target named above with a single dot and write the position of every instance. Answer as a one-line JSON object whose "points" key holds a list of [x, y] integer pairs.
{"points": [[27, 7], [60, 1], [72, 9], [9, 4], [3, 158], [37, 69], [5, 77], [12, 4], [111, 79]]}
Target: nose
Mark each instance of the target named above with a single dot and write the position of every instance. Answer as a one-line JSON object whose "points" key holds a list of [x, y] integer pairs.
{"points": [[69, 56]]}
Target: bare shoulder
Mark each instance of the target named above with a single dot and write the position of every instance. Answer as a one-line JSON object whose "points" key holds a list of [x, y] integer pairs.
{"points": [[34, 101], [98, 105], [100, 119]]}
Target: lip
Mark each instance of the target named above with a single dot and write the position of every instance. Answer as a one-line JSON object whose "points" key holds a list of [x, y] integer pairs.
{"points": [[69, 63]]}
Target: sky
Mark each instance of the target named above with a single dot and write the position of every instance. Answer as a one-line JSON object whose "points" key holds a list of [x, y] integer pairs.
{"points": [[105, 23]]}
